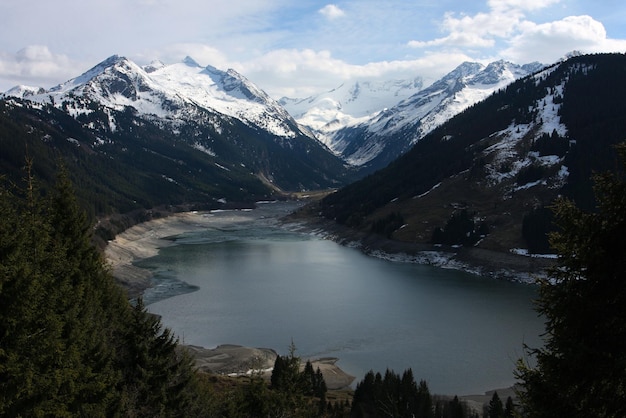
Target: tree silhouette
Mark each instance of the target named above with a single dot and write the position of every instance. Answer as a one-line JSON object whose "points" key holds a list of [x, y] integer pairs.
{"points": [[581, 370]]}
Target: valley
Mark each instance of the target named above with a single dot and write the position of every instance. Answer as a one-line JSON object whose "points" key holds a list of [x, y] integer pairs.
{"points": [[140, 143]]}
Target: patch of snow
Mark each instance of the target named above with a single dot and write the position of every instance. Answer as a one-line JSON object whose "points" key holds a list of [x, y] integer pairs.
{"points": [[428, 191], [204, 149], [222, 167], [524, 252], [171, 180]]}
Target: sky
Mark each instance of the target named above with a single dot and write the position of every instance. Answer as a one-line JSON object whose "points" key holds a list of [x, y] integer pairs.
{"points": [[298, 48]]}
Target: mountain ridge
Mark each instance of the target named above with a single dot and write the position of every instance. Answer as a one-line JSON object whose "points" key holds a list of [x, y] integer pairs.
{"points": [[373, 139], [166, 89]]}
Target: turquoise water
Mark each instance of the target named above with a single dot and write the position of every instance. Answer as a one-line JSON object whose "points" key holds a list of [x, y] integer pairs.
{"points": [[247, 280]]}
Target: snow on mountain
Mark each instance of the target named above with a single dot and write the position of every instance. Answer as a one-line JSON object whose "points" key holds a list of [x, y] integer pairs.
{"points": [[23, 91], [506, 151], [466, 85], [361, 134], [348, 104], [169, 92]]}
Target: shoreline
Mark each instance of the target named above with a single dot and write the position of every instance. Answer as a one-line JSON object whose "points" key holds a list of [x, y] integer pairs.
{"points": [[144, 240], [478, 261], [235, 360]]}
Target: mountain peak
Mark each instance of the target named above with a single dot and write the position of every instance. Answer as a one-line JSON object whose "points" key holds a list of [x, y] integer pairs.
{"points": [[109, 62], [23, 91], [153, 66], [112, 61], [466, 68], [191, 62]]}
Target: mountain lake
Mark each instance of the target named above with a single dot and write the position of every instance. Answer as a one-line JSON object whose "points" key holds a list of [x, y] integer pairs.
{"points": [[249, 280]]}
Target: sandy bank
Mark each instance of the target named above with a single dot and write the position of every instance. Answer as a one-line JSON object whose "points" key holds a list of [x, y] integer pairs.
{"points": [[143, 241]]}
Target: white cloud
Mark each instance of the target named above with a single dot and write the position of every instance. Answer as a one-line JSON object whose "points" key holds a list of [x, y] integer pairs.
{"points": [[331, 11], [481, 29], [302, 73], [499, 5], [457, 40], [506, 31], [35, 64], [544, 42]]}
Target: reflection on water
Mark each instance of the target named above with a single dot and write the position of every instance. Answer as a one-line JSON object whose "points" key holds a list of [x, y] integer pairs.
{"points": [[253, 282]]}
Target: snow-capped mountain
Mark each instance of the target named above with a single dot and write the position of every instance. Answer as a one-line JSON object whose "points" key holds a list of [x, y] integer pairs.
{"points": [[169, 92], [221, 114], [349, 104], [376, 138]]}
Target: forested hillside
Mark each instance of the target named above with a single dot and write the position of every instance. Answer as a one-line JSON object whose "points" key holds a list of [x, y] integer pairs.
{"points": [[70, 342], [123, 162], [138, 166]]}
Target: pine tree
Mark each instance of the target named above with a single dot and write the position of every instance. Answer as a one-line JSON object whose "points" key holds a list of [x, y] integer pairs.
{"points": [[55, 358], [509, 408], [278, 372], [581, 370], [158, 377], [19, 300], [89, 302], [495, 408], [70, 345]]}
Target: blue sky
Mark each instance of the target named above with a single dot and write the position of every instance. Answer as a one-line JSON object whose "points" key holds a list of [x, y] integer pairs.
{"points": [[298, 48]]}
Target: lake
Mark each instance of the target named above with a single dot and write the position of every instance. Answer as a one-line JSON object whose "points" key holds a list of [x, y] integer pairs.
{"points": [[251, 281]]}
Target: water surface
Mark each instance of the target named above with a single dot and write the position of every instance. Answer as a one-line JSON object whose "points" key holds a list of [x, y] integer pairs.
{"points": [[259, 284]]}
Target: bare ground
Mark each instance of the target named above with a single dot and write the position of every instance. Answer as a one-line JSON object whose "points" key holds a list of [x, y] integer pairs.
{"points": [[235, 360]]}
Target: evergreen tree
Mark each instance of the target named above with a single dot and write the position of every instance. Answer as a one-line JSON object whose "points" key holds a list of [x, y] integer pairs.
{"points": [[286, 373], [581, 370], [495, 408], [55, 355], [278, 372], [453, 409], [423, 401], [509, 408], [157, 376], [69, 343], [392, 395]]}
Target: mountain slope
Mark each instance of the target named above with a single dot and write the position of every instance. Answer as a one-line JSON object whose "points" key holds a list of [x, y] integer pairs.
{"points": [[485, 177], [348, 105], [170, 134]]}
